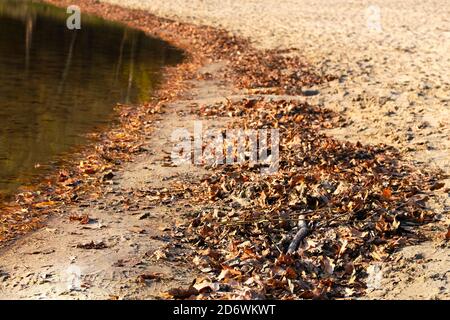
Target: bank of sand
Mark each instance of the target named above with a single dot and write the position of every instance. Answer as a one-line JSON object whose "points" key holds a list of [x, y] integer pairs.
{"points": [[392, 61]]}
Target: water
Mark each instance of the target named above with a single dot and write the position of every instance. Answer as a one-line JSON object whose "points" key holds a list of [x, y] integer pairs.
{"points": [[57, 85]]}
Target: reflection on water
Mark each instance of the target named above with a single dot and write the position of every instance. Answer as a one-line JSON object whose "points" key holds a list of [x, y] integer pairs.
{"points": [[57, 85]]}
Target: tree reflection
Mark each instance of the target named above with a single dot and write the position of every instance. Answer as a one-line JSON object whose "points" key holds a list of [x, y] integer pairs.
{"points": [[63, 84]]}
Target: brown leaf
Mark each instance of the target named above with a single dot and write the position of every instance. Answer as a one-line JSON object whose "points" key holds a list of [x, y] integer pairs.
{"points": [[290, 273], [149, 276], [437, 186], [284, 259], [206, 285], [181, 293], [387, 193], [45, 204]]}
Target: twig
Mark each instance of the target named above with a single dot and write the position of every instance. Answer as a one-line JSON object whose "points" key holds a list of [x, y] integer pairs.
{"points": [[299, 236]]}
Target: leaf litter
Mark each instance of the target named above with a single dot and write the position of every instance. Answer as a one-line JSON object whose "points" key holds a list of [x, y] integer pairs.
{"points": [[312, 229]]}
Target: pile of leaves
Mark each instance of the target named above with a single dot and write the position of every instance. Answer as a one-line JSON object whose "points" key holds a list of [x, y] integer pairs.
{"points": [[358, 203], [81, 175]]}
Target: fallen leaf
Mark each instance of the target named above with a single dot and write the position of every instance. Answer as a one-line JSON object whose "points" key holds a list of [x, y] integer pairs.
{"points": [[181, 293], [387, 193], [83, 219], [206, 285], [92, 245]]}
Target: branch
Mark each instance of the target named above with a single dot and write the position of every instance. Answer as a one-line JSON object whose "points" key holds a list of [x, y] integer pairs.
{"points": [[299, 236]]}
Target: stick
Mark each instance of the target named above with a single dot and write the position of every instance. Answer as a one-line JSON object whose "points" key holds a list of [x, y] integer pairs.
{"points": [[299, 236]]}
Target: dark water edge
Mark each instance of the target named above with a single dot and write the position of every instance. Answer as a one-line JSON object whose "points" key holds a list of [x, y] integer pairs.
{"points": [[57, 85]]}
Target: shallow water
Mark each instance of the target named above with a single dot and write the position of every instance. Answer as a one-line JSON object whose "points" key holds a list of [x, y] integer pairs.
{"points": [[57, 85]]}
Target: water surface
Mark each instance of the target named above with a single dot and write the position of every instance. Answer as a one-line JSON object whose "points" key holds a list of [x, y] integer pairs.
{"points": [[57, 84]]}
